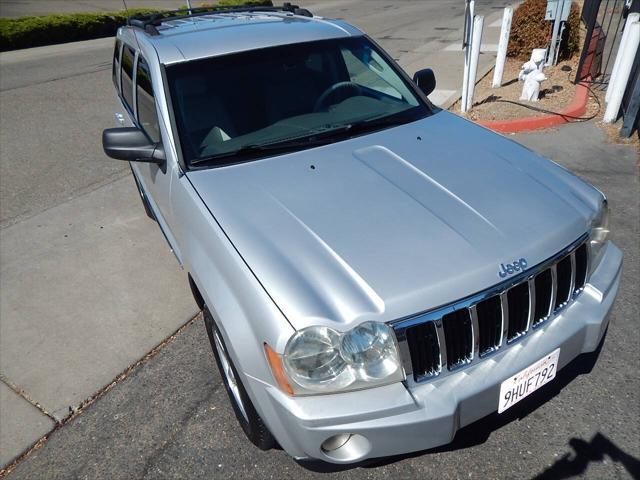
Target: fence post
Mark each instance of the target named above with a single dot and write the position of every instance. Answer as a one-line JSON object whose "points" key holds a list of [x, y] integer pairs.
{"points": [[478, 23], [632, 17], [627, 53], [589, 15], [468, 34], [632, 112], [555, 31], [502, 47]]}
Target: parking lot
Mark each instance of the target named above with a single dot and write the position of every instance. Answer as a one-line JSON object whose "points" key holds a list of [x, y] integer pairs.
{"points": [[77, 248]]}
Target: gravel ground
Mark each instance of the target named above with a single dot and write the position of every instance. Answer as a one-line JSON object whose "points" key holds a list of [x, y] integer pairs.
{"points": [[555, 93]]}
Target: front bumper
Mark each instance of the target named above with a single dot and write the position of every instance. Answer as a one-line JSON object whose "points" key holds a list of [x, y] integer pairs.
{"points": [[401, 418]]}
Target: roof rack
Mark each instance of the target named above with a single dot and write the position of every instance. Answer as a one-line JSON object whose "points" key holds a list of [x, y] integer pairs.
{"points": [[150, 22]]}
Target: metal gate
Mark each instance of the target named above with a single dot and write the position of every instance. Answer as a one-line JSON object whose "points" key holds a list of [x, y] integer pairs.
{"points": [[604, 21]]}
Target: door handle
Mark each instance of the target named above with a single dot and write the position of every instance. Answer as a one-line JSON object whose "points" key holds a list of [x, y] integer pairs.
{"points": [[120, 119]]}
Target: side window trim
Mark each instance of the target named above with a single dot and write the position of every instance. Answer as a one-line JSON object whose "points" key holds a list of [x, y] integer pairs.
{"points": [[117, 63], [134, 85]]}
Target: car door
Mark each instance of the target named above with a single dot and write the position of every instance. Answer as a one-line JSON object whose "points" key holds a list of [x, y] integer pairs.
{"points": [[155, 179], [137, 107]]}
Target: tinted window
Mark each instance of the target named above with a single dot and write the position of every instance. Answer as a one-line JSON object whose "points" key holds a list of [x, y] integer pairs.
{"points": [[147, 115], [116, 62], [239, 104], [127, 76]]}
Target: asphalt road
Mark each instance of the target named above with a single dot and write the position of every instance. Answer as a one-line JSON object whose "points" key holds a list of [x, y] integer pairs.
{"points": [[19, 8], [55, 102], [170, 417]]}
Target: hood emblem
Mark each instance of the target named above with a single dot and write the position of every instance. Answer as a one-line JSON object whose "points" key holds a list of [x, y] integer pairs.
{"points": [[511, 268]]}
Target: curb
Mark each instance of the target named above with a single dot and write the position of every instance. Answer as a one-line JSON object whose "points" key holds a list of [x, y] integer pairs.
{"points": [[575, 109]]}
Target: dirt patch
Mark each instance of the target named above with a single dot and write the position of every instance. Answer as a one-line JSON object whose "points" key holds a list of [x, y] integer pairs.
{"points": [[556, 93]]}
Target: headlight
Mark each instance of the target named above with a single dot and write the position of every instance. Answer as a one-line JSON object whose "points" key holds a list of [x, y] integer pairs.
{"points": [[322, 360], [598, 235]]}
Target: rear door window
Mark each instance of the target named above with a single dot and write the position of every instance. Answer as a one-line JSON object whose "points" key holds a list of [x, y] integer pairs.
{"points": [[126, 78], [147, 114]]}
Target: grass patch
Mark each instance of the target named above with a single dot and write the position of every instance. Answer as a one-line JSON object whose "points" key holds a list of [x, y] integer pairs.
{"points": [[27, 32]]}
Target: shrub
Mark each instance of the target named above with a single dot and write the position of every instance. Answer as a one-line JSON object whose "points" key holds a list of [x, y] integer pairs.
{"points": [[530, 30], [26, 32]]}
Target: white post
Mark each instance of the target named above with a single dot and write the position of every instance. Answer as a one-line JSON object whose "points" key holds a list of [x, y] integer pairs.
{"points": [[632, 17], [556, 29], [626, 62], [189, 5], [478, 23], [502, 47], [467, 54]]}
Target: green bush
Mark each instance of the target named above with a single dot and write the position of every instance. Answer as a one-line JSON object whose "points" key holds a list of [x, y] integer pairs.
{"points": [[26, 32], [530, 30]]}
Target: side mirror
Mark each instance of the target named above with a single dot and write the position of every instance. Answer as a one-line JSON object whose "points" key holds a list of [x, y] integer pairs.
{"points": [[131, 144], [426, 80]]}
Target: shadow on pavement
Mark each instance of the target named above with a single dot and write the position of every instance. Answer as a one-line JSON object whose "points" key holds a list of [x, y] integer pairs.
{"points": [[586, 452], [478, 432]]}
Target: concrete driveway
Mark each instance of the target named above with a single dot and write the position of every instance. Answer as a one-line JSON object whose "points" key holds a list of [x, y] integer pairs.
{"points": [[88, 284]]}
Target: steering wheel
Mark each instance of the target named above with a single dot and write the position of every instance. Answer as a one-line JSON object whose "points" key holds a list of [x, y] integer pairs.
{"points": [[343, 89]]}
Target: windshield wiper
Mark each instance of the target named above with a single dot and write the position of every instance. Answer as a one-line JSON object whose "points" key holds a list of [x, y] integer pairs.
{"points": [[386, 121], [232, 153], [317, 138], [307, 141]]}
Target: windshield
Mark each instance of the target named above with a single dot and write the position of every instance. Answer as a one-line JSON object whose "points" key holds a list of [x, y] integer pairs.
{"points": [[291, 97]]}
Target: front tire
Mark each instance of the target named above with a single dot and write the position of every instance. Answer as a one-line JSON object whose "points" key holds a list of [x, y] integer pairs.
{"points": [[247, 416]]}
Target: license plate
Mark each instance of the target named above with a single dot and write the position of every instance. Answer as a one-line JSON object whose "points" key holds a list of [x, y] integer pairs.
{"points": [[527, 381]]}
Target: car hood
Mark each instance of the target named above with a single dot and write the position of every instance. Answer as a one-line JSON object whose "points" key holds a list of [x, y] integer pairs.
{"points": [[393, 223]]}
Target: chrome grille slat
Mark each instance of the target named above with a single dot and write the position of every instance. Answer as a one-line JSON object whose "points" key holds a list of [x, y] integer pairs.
{"points": [[554, 287], [581, 256], [532, 302], [504, 305], [473, 311], [441, 343], [487, 322], [563, 282], [572, 285]]}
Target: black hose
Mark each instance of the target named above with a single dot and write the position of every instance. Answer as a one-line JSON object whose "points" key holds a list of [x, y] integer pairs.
{"points": [[550, 112]]}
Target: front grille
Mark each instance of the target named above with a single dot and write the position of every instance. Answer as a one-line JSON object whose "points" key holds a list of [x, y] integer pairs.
{"points": [[489, 313], [581, 266], [544, 294], [518, 299], [455, 335], [424, 349], [563, 280], [459, 337]]}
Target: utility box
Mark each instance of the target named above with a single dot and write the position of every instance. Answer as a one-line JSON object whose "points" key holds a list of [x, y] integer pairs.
{"points": [[558, 10]]}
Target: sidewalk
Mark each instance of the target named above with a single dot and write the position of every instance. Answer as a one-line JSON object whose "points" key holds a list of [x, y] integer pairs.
{"points": [[89, 286], [170, 418]]}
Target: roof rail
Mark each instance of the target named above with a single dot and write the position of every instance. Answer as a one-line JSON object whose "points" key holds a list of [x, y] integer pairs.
{"points": [[149, 22]]}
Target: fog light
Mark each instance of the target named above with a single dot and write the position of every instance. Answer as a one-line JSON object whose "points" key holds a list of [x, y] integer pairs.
{"points": [[345, 448], [335, 442]]}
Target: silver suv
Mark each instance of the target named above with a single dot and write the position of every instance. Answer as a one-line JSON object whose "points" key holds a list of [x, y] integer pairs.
{"points": [[374, 272]]}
